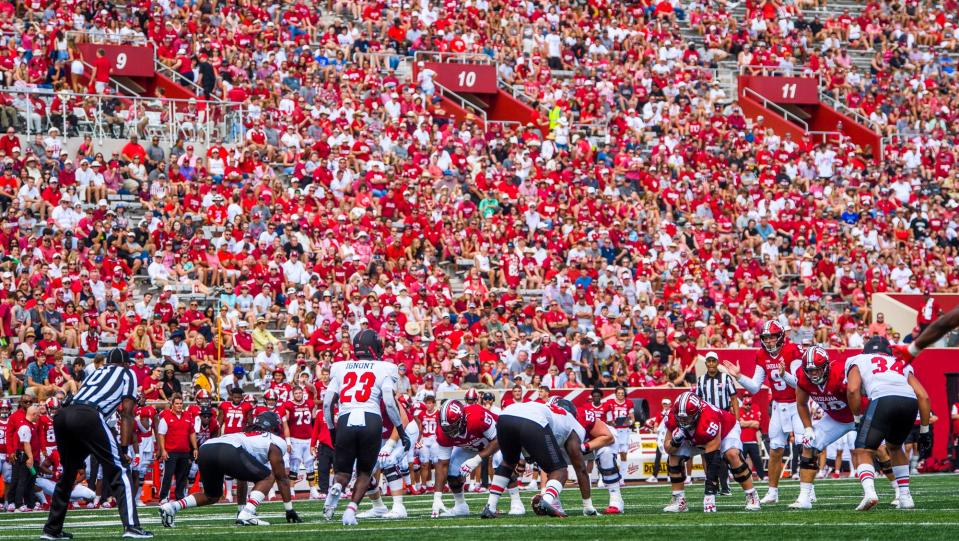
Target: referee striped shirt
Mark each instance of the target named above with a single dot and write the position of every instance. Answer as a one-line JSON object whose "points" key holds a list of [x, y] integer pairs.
{"points": [[717, 390], [107, 387]]}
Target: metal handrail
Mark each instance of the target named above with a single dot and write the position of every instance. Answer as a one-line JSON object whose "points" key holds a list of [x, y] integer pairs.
{"points": [[802, 71], [836, 104], [228, 123], [87, 36], [776, 107], [117, 84], [175, 77], [464, 104], [452, 58]]}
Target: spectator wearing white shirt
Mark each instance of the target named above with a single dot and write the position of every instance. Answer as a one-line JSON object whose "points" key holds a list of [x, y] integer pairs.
{"points": [[294, 271], [176, 351], [266, 361]]}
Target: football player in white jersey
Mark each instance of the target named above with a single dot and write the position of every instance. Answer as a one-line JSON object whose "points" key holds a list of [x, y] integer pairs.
{"points": [[257, 456], [895, 395], [359, 386], [552, 438]]}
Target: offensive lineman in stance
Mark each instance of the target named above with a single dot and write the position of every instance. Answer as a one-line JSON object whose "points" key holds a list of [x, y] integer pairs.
{"points": [[256, 456], [694, 427], [359, 385]]}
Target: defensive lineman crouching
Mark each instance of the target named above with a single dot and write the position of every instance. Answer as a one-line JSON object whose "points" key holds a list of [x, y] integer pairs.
{"points": [[256, 456], [694, 427]]}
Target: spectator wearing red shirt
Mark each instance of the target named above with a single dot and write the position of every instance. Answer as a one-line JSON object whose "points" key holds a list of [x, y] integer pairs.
{"points": [[102, 67], [178, 446]]}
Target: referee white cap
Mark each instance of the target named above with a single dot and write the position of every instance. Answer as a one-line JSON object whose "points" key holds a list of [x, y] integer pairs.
{"points": [[712, 355]]}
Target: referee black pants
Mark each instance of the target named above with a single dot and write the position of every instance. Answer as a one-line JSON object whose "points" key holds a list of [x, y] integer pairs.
{"points": [[81, 431], [178, 466]]}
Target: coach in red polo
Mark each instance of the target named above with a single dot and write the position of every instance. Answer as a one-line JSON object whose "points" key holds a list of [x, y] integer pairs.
{"points": [[177, 441]]}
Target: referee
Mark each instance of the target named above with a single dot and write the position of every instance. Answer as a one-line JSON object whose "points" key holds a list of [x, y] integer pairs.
{"points": [[718, 389], [81, 430]]}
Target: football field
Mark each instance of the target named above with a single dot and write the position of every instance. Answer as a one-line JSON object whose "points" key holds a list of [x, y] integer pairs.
{"points": [[936, 517]]}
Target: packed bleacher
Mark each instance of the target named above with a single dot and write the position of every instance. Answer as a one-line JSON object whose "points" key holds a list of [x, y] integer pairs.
{"points": [[643, 219]]}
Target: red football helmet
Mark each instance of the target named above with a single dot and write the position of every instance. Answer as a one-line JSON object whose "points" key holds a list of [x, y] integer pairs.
{"points": [[772, 337], [249, 398], [5, 408], [201, 394], [453, 418], [269, 395], [686, 410], [815, 363], [472, 396], [53, 403]]}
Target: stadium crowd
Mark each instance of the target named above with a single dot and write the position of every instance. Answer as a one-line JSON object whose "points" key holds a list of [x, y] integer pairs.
{"points": [[539, 253]]}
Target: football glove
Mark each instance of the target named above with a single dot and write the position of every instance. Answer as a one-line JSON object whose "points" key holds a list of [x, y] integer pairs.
{"points": [[808, 437], [679, 435], [902, 353], [468, 466], [924, 443]]}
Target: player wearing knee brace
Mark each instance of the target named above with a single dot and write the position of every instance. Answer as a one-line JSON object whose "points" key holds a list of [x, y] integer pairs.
{"points": [[694, 427]]}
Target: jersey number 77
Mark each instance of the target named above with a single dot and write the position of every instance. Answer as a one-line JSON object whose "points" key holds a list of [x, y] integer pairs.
{"points": [[364, 386]]}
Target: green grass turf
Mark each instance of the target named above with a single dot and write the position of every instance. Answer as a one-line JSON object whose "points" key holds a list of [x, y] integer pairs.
{"points": [[936, 517]]}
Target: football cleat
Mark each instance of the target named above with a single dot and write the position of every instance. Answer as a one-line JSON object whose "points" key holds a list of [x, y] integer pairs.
{"points": [[251, 520], [752, 501], [136, 533], [549, 509], [314, 493], [709, 504], [349, 519], [801, 503], [458, 510], [167, 515], [328, 513], [677, 505], [895, 502], [611, 510], [516, 508], [652, 479], [867, 503], [398, 511], [770, 497], [376, 512], [46, 536], [590, 512], [905, 502], [488, 513]]}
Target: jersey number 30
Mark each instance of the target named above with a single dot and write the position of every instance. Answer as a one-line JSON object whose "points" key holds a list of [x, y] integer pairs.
{"points": [[363, 391]]}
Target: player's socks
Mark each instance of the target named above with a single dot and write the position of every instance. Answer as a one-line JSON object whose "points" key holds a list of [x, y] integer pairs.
{"points": [[349, 516], [378, 503], [496, 488], [396, 491], [679, 493], [229, 487], [553, 489], [805, 491], [253, 501], [185, 503], [459, 498], [902, 478], [514, 495], [867, 476]]}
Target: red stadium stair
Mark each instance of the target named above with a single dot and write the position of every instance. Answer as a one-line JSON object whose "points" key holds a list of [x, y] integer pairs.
{"points": [[467, 84], [794, 105], [136, 71]]}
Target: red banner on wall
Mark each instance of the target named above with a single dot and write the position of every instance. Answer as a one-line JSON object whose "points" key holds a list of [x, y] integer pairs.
{"points": [[126, 60]]}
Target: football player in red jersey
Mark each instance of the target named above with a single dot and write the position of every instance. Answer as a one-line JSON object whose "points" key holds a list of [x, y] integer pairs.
{"points": [[302, 415], [618, 413], [695, 427], [466, 437], [775, 353], [45, 426], [145, 424], [201, 399], [823, 381], [427, 448], [232, 415]]}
